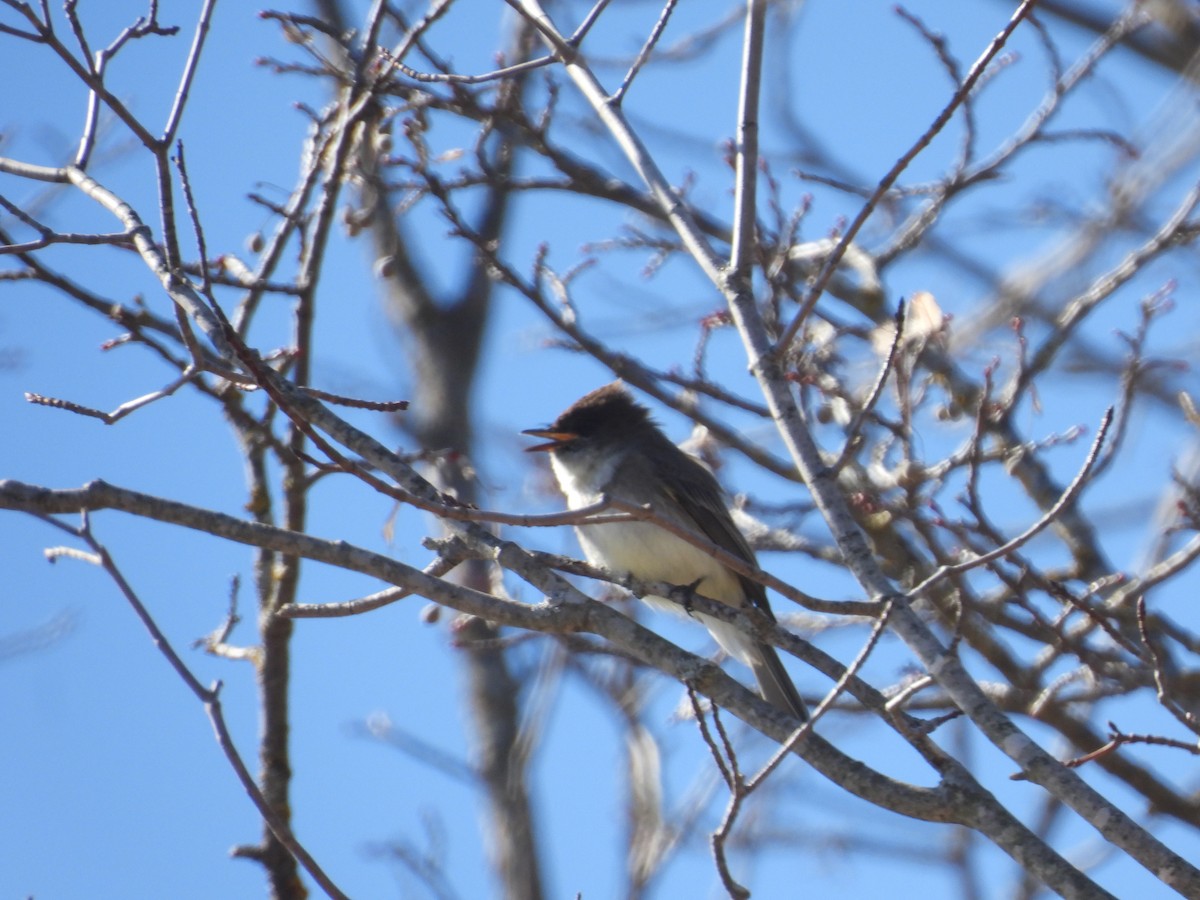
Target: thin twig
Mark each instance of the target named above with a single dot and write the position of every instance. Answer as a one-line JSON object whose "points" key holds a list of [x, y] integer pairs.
{"points": [[1117, 738], [189, 200], [745, 202], [644, 54], [387, 406], [217, 643], [210, 697], [109, 418], [1158, 666], [175, 116], [1068, 496], [854, 432], [959, 97], [440, 567], [706, 735], [588, 21], [828, 700], [737, 796], [500, 74]]}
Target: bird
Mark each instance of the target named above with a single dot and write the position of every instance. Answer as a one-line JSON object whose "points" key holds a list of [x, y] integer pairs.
{"points": [[607, 445]]}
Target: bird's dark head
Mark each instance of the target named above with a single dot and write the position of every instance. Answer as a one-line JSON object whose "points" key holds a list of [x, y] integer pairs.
{"points": [[606, 415]]}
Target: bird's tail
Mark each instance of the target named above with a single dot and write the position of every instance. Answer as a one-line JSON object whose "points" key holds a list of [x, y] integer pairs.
{"points": [[774, 684]]}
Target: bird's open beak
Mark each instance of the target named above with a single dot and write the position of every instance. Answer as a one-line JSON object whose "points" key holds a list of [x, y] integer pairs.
{"points": [[555, 440]]}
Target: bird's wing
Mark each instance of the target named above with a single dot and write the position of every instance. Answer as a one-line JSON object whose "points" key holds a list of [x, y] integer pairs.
{"points": [[703, 502]]}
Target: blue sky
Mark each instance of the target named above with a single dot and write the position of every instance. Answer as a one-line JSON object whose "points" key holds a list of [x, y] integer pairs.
{"points": [[113, 785]]}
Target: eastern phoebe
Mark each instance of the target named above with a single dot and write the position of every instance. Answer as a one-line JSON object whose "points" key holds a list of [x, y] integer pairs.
{"points": [[607, 444]]}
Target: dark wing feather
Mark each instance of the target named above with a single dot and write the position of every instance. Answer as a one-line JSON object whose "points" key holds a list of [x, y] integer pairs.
{"points": [[703, 502]]}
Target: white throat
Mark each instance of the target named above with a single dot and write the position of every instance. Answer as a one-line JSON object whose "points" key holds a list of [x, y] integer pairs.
{"points": [[584, 478]]}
